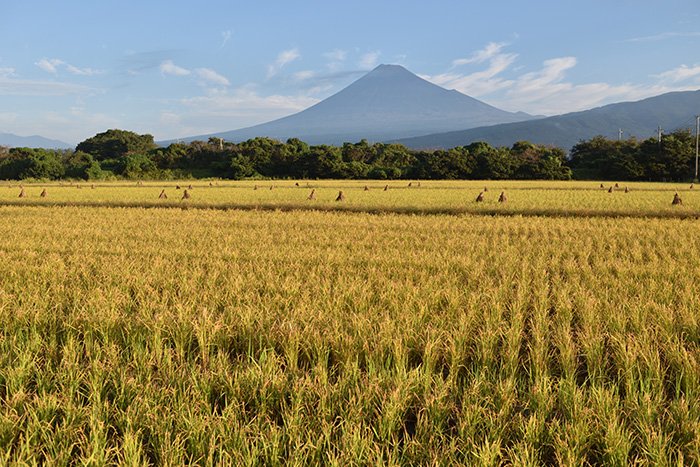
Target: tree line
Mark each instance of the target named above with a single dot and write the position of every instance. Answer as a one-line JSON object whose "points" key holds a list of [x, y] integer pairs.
{"points": [[671, 158], [117, 154]]}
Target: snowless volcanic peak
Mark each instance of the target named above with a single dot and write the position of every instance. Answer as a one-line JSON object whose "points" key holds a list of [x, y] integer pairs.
{"points": [[389, 102]]}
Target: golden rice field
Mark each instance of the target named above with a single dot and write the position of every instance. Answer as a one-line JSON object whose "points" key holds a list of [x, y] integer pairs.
{"points": [[436, 197], [413, 331]]}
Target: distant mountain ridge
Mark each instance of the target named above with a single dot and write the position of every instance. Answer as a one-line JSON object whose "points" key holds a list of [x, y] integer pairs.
{"points": [[35, 141], [640, 118], [389, 102]]}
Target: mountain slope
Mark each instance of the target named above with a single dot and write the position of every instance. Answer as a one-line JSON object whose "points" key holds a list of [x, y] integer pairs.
{"points": [[10, 140], [641, 118], [388, 102]]}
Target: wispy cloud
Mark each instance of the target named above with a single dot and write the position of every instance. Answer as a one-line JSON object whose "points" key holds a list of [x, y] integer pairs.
{"points": [[680, 73], [336, 59], [169, 68], [283, 58], [663, 36], [52, 66], [246, 101], [336, 55], [227, 109], [225, 37], [369, 60], [211, 76], [206, 75], [11, 85], [491, 50], [134, 63], [303, 75], [480, 82], [547, 90], [314, 83], [49, 66]]}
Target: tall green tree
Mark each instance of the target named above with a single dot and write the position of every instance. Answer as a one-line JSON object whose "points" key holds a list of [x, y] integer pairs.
{"points": [[113, 144]]}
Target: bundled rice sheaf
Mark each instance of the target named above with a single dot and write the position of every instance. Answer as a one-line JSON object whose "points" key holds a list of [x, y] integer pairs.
{"points": [[162, 195], [386, 187], [341, 196], [312, 195], [22, 194], [43, 193], [186, 195], [627, 190], [676, 200], [502, 198], [480, 198], [610, 190]]}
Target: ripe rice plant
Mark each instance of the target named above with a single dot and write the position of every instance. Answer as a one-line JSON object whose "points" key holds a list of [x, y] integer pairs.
{"points": [[172, 336], [432, 197]]}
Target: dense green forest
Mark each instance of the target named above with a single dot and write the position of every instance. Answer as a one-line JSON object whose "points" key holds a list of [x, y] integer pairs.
{"points": [[124, 154]]}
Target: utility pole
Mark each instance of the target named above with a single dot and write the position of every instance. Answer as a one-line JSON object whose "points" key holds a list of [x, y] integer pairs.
{"points": [[697, 132], [619, 134]]}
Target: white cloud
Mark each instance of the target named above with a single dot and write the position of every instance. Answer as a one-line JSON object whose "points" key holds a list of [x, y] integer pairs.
{"points": [[547, 90], [169, 68], [225, 37], [481, 82], [225, 110], [369, 60], [49, 66], [207, 75], [663, 36], [303, 75], [52, 65], [491, 50], [12, 86], [336, 55], [211, 76], [283, 58], [680, 73], [245, 101]]}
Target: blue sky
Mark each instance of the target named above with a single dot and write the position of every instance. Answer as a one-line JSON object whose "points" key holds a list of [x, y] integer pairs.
{"points": [[70, 69]]}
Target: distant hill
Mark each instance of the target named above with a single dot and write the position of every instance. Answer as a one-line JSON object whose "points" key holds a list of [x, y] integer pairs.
{"points": [[641, 118], [10, 140], [387, 103]]}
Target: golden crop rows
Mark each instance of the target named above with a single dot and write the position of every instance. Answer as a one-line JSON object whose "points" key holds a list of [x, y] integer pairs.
{"points": [[250, 337], [437, 197]]}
